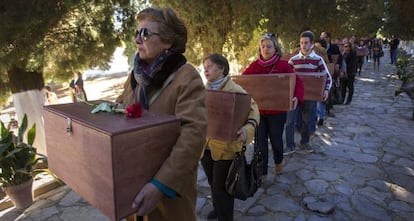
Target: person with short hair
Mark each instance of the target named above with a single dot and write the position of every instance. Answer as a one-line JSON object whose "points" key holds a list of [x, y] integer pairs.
{"points": [[347, 83], [218, 155], [162, 81], [394, 43], [308, 61], [77, 91]]}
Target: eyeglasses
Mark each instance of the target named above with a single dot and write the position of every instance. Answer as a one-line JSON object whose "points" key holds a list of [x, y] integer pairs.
{"points": [[143, 34]]}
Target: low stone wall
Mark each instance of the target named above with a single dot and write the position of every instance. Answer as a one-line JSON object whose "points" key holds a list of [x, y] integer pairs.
{"points": [[408, 46]]}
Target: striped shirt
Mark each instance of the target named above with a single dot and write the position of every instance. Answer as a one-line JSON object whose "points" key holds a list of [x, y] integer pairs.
{"points": [[311, 63]]}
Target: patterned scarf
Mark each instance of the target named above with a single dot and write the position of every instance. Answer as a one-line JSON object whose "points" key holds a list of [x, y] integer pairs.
{"points": [[152, 76], [269, 62]]}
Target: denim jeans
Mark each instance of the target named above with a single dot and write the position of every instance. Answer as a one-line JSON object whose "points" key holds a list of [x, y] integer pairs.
{"points": [[394, 55], [308, 111], [321, 109], [290, 129]]}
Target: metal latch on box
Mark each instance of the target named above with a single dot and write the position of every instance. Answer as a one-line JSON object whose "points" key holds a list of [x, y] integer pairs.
{"points": [[69, 126]]}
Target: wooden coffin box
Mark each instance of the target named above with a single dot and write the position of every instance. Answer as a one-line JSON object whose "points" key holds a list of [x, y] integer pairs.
{"points": [[107, 157], [270, 91], [314, 85], [227, 112], [362, 51]]}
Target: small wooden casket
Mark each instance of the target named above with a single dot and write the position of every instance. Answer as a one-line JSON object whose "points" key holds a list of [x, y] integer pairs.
{"points": [[314, 85], [362, 51], [227, 112], [270, 91], [107, 157]]}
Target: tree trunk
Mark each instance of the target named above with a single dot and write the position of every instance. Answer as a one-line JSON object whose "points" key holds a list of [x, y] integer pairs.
{"points": [[28, 98], [21, 80]]}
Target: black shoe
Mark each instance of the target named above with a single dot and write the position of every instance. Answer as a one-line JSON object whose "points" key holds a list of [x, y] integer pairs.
{"points": [[320, 122], [212, 215]]}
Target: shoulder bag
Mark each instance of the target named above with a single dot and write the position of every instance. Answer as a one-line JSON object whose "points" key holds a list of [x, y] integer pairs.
{"points": [[243, 179]]}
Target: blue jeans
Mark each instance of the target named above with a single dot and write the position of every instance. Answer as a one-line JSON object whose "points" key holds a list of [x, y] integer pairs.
{"points": [[308, 112], [313, 115], [321, 109], [271, 126], [393, 55], [290, 129]]}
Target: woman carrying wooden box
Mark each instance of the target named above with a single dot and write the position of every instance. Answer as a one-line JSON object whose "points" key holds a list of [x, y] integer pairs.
{"points": [[272, 122], [219, 154]]}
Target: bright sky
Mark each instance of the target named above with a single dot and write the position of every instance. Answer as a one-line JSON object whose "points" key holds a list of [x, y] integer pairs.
{"points": [[119, 64]]}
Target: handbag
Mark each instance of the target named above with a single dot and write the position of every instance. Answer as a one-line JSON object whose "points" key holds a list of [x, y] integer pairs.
{"points": [[243, 179]]}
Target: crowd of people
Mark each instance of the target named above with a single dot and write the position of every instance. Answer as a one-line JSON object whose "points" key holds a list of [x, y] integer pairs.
{"points": [[163, 81]]}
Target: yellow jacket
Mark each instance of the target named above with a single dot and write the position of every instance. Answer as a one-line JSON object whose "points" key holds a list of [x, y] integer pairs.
{"points": [[221, 150]]}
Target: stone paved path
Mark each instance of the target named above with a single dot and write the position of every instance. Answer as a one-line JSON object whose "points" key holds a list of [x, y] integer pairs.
{"points": [[362, 169]]}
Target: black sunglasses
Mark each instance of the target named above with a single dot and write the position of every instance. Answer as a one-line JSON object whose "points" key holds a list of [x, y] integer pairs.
{"points": [[143, 34]]}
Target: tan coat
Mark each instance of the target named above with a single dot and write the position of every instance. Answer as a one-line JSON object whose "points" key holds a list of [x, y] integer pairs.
{"points": [[221, 150], [184, 97]]}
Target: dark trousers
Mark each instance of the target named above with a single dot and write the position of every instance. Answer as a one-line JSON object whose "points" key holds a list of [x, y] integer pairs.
{"points": [[271, 126], [216, 172], [306, 110], [348, 84], [393, 55]]}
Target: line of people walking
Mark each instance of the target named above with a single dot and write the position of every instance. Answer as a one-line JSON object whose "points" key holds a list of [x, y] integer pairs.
{"points": [[163, 81]]}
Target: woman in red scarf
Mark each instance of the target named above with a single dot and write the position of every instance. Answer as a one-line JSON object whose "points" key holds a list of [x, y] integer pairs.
{"points": [[272, 122]]}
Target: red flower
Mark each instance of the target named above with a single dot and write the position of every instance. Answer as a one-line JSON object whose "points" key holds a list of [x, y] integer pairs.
{"points": [[134, 110]]}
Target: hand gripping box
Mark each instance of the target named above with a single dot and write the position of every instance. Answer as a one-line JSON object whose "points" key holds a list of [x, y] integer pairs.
{"points": [[227, 112], [270, 91], [107, 157], [314, 85]]}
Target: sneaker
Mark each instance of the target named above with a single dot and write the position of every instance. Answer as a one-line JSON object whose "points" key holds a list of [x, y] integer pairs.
{"points": [[289, 152], [212, 215], [306, 147]]}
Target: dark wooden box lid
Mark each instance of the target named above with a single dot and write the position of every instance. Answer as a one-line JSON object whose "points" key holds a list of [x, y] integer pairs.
{"points": [[270, 91], [108, 123]]}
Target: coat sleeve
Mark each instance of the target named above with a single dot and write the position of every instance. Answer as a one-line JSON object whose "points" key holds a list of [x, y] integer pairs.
{"points": [[252, 122], [189, 104]]}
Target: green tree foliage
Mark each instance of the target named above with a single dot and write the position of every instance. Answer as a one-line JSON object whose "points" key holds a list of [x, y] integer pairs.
{"points": [[50, 39], [341, 18], [399, 19], [233, 27], [215, 26]]}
